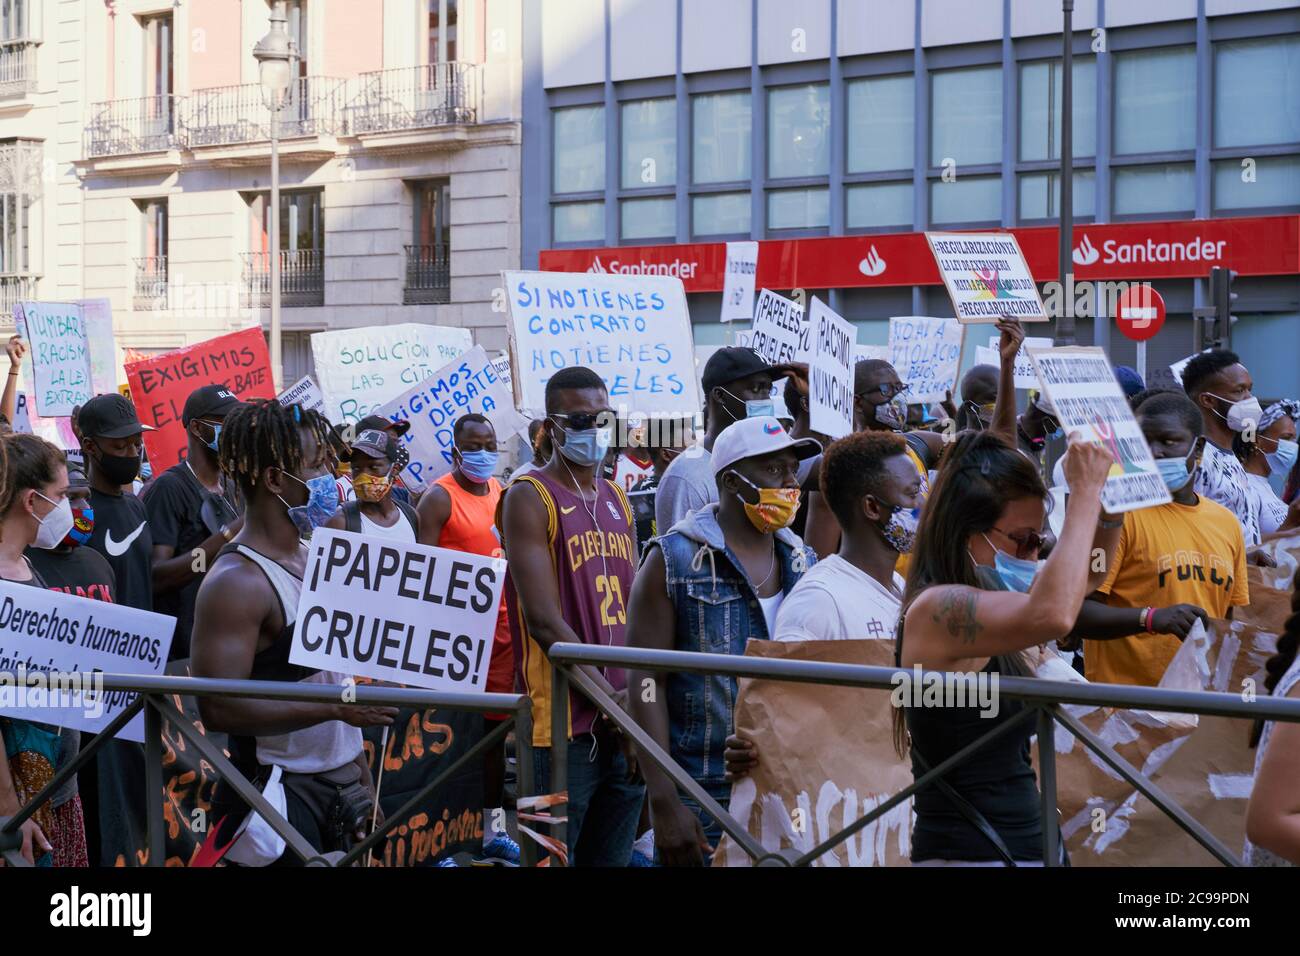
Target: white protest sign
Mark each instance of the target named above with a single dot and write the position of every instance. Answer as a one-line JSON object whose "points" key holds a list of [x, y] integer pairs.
{"points": [[60, 355], [1177, 368], [926, 354], [633, 331], [360, 369], [466, 384], [863, 353], [304, 392], [56, 431], [986, 276], [738, 283], [502, 364], [780, 333], [69, 638], [1086, 398], [379, 608], [830, 372], [98, 317], [1025, 375]]}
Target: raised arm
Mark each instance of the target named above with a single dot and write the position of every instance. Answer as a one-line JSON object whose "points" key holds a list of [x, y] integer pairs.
{"points": [[16, 348], [1004, 410]]}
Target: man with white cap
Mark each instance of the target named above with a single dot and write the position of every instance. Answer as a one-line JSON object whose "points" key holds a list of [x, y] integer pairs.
{"points": [[719, 575]]}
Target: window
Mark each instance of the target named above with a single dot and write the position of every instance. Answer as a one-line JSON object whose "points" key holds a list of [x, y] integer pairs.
{"points": [[1143, 190], [151, 267], [798, 209], [430, 206], [1040, 109], [442, 31], [158, 75], [153, 240], [649, 143], [649, 219], [1257, 92], [1155, 101], [578, 222], [721, 136], [302, 249], [966, 199], [966, 116], [296, 12], [1276, 183], [880, 124], [302, 221], [579, 149], [879, 204], [428, 257], [15, 230], [14, 23], [721, 214], [798, 131], [1040, 195]]}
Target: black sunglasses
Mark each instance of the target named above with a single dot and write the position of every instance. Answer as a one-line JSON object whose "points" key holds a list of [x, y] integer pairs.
{"points": [[582, 421], [1025, 541]]}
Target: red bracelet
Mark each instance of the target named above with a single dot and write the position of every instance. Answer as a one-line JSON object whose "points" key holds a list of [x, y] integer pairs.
{"points": [[1149, 620]]}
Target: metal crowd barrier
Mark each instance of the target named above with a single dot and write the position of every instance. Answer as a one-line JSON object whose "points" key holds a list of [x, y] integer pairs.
{"points": [[1042, 697], [154, 699]]}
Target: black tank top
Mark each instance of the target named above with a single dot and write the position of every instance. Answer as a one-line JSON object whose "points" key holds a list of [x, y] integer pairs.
{"points": [[998, 780]]}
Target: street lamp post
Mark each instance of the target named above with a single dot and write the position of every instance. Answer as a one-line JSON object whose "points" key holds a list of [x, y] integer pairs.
{"points": [[276, 58]]}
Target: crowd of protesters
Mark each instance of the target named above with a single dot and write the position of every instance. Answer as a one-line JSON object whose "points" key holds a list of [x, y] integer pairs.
{"points": [[937, 537]]}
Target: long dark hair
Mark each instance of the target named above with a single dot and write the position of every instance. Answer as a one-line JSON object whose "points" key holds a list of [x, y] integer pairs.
{"points": [[979, 476], [1288, 643]]}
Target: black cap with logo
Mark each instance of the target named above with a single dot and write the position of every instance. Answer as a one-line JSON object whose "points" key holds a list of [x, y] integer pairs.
{"points": [[109, 416], [215, 401], [733, 363]]}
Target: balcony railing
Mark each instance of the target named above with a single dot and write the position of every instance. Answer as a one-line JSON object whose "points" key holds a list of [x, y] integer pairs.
{"points": [[421, 97], [151, 282], [428, 275], [15, 289], [17, 68], [232, 115], [123, 127], [302, 279]]}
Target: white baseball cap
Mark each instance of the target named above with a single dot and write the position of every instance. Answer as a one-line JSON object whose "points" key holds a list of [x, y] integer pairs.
{"points": [[751, 437]]}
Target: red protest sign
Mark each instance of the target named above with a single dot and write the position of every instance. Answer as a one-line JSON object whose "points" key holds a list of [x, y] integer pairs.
{"points": [[161, 383]]}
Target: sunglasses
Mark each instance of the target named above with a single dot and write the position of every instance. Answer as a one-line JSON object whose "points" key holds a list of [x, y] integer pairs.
{"points": [[1026, 542], [889, 389], [584, 421]]}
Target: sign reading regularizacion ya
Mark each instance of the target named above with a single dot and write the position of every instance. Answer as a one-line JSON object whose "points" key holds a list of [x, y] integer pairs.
{"points": [[407, 613], [986, 276], [1088, 401], [632, 330]]}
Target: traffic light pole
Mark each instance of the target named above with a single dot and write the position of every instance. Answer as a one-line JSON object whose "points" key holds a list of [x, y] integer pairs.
{"points": [[1065, 334]]}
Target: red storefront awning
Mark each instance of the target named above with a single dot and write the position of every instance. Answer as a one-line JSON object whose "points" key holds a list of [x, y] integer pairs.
{"points": [[1183, 249]]}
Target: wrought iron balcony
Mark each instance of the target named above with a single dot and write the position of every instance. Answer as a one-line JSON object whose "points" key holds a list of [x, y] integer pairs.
{"points": [[122, 127], [235, 115], [302, 279], [413, 98], [15, 289], [17, 68], [151, 282], [428, 275]]}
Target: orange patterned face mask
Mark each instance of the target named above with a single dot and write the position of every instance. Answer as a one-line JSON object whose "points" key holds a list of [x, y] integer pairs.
{"points": [[776, 507], [372, 489]]}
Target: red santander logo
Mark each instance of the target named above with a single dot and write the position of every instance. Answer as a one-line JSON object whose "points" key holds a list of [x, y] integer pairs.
{"points": [[1140, 312]]}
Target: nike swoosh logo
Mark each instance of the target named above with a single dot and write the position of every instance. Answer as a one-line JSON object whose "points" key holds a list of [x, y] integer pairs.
{"points": [[568, 510], [118, 549]]}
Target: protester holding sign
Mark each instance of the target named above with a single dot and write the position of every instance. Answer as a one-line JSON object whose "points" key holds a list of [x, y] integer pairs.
{"points": [[374, 511], [458, 512], [568, 539], [1272, 452], [979, 392], [192, 512], [244, 628], [347, 434], [17, 350], [720, 576]]}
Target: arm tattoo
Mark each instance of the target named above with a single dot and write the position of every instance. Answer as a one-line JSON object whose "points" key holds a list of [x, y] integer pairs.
{"points": [[957, 614]]}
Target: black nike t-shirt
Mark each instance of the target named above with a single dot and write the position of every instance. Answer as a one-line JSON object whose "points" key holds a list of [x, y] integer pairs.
{"points": [[122, 536]]}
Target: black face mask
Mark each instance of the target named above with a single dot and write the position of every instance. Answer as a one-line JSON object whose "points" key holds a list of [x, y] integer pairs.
{"points": [[118, 469]]}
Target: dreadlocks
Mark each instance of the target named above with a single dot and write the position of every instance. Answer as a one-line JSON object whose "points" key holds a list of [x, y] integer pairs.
{"points": [[265, 434]]}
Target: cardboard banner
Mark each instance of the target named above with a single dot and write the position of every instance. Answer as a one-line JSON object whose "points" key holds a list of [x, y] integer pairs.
{"points": [[360, 369], [368, 608], [1082, 388], [304, 392], [51, 632], [926, 354], [160, 384], [634, 331], [830, 372], [60, 355], [470, 383], [780, 332], [986, 276], [738, 284]]}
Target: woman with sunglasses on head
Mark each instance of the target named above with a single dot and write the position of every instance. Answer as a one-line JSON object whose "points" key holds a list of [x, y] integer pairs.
{"points": [[1272, 452], [976, 599]]}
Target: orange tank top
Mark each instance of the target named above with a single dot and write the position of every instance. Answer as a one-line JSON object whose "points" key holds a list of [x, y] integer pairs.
{"points": [[471, 526]]}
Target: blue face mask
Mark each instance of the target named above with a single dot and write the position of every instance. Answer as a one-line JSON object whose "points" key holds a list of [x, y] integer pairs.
{"points": [[478, 466], [1174, 472], [216, 433], [586, 448], [760, 408], [1016, 573], [1283, 459], [322, 503]]}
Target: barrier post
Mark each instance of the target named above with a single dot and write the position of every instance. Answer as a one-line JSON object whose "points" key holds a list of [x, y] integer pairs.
{"points": [[1047, 786], [153, 783], [560, 748]]}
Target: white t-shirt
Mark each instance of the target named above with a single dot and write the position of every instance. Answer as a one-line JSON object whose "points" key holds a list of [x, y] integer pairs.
{"points": [[771, 605], [835, 601], [399, 531], [1222, 478], [1272, 509]]}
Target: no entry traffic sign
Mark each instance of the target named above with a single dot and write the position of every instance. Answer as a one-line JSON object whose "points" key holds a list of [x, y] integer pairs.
{"points": [[1140, 312]]}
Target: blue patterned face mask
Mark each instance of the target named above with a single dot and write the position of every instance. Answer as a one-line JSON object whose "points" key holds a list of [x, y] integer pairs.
{"points": [[322, 503]]}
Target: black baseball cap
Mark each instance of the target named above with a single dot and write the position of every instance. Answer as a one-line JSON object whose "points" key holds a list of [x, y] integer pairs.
{"points": [[350, 433], [376, 443], [109, 416], [214, 400], [733, 363]]}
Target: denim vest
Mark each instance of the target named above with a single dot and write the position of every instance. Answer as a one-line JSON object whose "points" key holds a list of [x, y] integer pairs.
{"points": [[717, 612]]}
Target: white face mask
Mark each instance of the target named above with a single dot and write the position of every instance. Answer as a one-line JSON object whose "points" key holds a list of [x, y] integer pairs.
{"points": [[1241, 414], [55, 525]]}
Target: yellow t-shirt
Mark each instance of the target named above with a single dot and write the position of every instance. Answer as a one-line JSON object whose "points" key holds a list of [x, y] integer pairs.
{"points": [[1170, 554], [905, 560]]}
